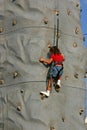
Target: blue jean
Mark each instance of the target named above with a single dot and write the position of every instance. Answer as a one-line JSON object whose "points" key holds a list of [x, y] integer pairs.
{"points": [[57, 71]]}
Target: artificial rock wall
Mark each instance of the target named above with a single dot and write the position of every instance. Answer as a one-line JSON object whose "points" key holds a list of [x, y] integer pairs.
{"points": [[26, 29]]}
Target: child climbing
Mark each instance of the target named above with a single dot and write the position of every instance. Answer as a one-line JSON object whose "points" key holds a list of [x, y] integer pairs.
{"points": [[56, 59]]}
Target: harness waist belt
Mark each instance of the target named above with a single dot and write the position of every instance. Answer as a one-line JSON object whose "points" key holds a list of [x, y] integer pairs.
{"points": [[58, 63]]}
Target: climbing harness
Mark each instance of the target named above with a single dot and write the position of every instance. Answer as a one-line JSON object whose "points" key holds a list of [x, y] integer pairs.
{"points": [[50, 71], [58, 72]]}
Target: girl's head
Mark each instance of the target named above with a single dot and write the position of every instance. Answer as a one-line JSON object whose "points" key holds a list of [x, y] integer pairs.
{"points": [[55, 50]]}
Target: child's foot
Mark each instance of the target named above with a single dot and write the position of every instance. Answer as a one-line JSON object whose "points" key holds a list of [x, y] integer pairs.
{"points": [[57, 87], [47, 93], [59, 84]]}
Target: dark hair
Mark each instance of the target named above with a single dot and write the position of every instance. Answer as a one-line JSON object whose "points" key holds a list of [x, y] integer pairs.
{"points": [[55, 50]]}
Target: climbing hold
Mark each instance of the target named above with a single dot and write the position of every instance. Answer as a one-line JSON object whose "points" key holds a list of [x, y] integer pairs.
{"points": [[2, 81], [63, 118], [1, 30], [56, 12], [76, 75], [52, 128], [19, 107], [74, 44], [14, 22], [68, 11], [45, 20], [49, 45], [77, 4], [22, 91], [81, 111], [77, 30], [15, 74]]}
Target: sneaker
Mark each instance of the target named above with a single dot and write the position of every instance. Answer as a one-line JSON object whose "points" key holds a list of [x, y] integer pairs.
{"points": [[47, 93], [86, 120], [58, 84], [57, 87]]}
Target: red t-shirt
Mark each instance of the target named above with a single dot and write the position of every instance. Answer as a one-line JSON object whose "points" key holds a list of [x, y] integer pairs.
{"points": [[58, 58]]}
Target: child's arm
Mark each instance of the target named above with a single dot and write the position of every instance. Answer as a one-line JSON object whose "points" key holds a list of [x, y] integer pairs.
{"points": [[48, 61], [63, 57]]}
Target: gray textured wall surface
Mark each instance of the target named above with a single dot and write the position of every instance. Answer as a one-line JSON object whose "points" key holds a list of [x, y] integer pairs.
{"points": [[26, 29]]}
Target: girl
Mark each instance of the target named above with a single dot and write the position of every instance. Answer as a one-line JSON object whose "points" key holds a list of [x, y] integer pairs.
{"points": [[57, 59]]}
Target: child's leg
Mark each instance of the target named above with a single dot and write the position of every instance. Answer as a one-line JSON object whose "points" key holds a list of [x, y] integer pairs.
{"points": [[47, 93], [59, 81], [49, 84], [60, 76]]}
